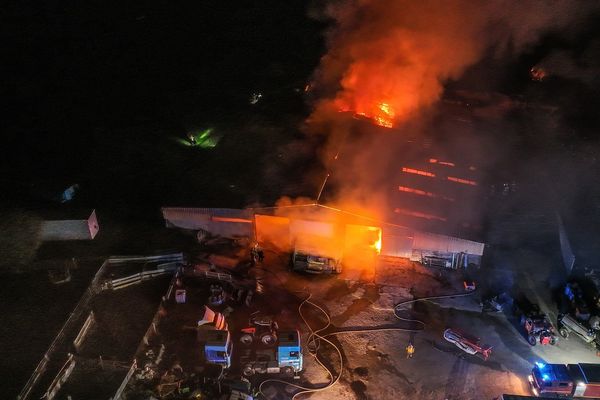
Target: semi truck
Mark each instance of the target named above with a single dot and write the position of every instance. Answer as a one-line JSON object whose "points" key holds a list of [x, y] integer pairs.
{"points": [[571, 380], [218, 348], [284, 357]]}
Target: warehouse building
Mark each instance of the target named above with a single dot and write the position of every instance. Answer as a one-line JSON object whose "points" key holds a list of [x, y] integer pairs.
{"points": [[333, 231]]}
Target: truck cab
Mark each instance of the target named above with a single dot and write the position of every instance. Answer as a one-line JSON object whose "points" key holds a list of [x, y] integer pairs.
{"points": [[218, 347], [285, 358], [553, 379], [289, 352]]}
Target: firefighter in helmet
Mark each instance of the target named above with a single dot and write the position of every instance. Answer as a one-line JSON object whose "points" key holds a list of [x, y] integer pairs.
{"points": [[410, 350]]}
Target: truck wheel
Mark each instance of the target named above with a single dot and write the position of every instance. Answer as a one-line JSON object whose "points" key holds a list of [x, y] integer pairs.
{"points": [[564, 332], [268, 338], [288, 372], [246, 339], [532, 340], [248, 370]]}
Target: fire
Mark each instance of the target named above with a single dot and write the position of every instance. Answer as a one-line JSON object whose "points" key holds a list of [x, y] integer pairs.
{"points": [[463, 181], [422, 193], [418, 172], [382, 114], [446, 163], [377, 245]]}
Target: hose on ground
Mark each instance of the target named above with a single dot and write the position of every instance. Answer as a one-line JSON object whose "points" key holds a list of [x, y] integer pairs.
{"points": [[314, 339]]}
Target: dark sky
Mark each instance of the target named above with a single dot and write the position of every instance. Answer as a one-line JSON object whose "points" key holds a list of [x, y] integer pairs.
{"points": [[76, 71]]}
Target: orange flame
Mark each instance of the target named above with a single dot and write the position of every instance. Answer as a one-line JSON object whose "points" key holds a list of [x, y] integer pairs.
{"points": [[418, 172], [381, 114], [463, 181], [377, 245]]}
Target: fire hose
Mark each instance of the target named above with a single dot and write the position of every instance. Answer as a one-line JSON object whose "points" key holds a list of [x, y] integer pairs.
{"points": [[314, 339]]}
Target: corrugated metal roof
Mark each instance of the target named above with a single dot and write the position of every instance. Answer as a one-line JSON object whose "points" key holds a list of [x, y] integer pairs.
{"points": [[397, 240], [447, 244]]}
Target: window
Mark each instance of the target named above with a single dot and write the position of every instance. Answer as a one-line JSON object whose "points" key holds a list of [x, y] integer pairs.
{"points": [[293, 354]]}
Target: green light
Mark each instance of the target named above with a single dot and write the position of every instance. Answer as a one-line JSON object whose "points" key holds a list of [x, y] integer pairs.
{"points": [[205, 139]]}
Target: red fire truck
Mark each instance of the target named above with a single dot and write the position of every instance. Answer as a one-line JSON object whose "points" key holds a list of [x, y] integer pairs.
{"points": [[572, 380]]}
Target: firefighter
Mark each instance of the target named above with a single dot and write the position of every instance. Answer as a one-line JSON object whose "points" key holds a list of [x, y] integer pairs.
{"points": [[261, 254], [257, 253], [410, 350]]}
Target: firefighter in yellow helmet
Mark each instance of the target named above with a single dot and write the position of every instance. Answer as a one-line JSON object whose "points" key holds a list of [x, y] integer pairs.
{"points": [[410, 350]]}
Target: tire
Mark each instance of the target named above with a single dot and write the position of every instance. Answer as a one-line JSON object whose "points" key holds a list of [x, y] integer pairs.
{"points": [[553, 340], [288, 372], [268, 338], [246, 339], [564, 332], [532, 340], [248, 371]]}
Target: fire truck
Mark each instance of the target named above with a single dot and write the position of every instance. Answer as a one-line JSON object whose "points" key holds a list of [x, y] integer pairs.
{"points": [[571, 380]]}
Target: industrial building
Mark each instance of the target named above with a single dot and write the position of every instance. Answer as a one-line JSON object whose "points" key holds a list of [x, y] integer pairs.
{"points": [[333, 231]]}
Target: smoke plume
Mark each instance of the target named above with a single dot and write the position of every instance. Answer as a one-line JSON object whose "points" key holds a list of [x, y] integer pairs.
{"points": [[388, 61]]}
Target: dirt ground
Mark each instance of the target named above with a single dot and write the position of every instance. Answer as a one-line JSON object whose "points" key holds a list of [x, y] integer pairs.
{"points": [[375, 364], [522, 257]]}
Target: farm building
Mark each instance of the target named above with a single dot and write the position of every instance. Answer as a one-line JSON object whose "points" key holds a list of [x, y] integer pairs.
{"points": [[331, 230]]}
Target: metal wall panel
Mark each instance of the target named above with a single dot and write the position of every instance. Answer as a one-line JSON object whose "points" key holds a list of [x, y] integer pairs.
{"points": [[314, 228], [446, 244], [273, 230]]}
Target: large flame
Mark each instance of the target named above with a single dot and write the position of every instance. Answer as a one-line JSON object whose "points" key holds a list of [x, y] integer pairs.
{"points": [[388, 60], [377, 244]]}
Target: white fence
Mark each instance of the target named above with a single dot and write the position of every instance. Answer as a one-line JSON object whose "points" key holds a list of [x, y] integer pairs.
{"points": [[60, 378], [57, 349], [67, 326], [115, 260], [84, 330], [120, 283], [121, 388]]}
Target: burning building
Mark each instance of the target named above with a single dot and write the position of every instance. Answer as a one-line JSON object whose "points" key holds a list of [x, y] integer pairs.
{"points": [[354, 239]]}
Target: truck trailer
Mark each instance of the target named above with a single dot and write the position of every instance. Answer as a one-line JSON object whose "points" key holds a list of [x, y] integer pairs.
{"points": [[571, 380]]}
